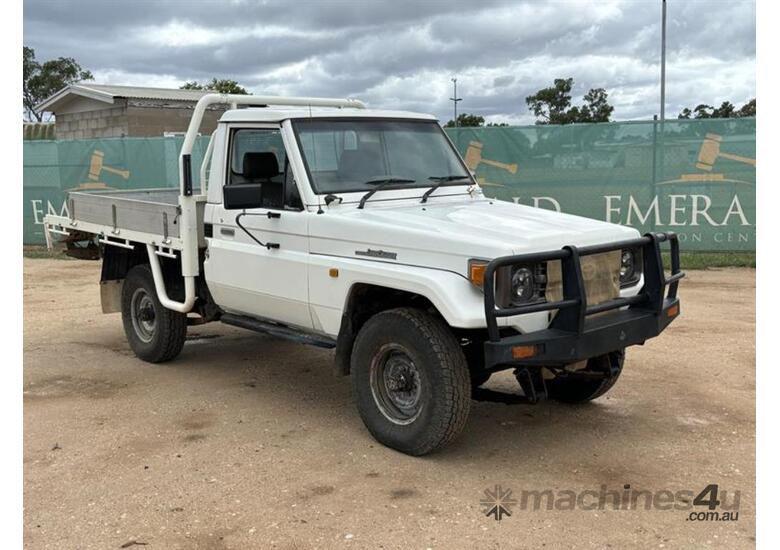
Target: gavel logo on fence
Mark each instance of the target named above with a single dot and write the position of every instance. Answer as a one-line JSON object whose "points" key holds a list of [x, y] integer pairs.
{"points": [[710, 152], [474, 158], [96, 167]]}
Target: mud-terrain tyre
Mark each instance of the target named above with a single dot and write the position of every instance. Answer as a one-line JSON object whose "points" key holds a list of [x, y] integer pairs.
{"points": [[578, 390], [155, 333], [410, 381]]}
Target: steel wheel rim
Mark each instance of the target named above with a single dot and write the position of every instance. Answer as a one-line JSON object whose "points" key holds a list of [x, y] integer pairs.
{"points": [[396, 384], [143, 315]]}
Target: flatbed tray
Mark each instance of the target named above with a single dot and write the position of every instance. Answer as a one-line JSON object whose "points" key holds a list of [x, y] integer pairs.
{"points": [[146, 210], [141, 215]]}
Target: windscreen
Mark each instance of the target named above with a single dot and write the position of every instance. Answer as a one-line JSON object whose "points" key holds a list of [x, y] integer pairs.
{"points": [[353, 155]]}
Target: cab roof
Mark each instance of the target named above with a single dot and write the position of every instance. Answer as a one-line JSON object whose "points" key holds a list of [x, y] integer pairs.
{"points": [[275, 114]]}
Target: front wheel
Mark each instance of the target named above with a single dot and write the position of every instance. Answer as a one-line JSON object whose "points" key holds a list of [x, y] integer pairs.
{"points": [[570, 388], [410, 380], [155, 333]]}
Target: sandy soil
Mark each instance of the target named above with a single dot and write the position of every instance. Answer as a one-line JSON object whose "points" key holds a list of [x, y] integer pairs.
{"points": [[246, 441]]}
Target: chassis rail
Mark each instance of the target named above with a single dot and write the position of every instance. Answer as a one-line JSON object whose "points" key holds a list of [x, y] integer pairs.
{"points": [[571, 336]]}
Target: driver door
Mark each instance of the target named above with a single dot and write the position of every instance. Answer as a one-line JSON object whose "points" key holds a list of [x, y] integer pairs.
{"points": [[244, 276]]}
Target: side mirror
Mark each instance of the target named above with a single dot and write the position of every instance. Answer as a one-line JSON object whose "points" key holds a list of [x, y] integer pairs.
{"points": [[242, 196]]}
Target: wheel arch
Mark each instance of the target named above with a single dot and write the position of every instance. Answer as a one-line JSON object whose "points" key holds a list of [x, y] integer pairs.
{"points": [[117, 263], [365, 300]]}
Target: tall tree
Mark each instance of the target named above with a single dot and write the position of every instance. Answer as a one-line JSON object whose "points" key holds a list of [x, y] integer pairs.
{"points": [[748, 109], [726, 110], [553, 105], [41, 80], [596, 108], [223, 86], [466, 120]]}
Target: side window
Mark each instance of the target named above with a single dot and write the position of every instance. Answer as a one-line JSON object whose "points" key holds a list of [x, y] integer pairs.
{"points": [[257, 157]]}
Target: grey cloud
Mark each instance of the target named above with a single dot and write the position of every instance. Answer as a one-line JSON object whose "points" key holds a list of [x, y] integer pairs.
{"points": [[402, 54], [502, 81]]}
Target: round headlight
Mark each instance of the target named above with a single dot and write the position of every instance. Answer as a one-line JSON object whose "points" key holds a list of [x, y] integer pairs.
{"points": [[627, 265], [523, 287]]}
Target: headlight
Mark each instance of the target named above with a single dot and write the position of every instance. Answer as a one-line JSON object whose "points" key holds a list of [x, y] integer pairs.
{"points": [[523, 286], [515, 285], [526, 284], [630, 266]]}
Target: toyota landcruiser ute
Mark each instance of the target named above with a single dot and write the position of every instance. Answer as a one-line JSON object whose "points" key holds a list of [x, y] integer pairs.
{"points": [[321, 221]]}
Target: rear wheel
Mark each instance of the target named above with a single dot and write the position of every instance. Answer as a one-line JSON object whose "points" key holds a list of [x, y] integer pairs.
{"points": [[410, 381], [573, 388], [155, 333]]}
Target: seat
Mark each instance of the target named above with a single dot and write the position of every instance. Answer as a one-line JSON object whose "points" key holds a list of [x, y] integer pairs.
{"points": [[359, 165], [262, 167]]}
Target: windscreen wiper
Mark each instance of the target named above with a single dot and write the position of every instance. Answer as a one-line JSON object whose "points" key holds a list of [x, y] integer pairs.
{"points": [[440, 180], [381, 183]]}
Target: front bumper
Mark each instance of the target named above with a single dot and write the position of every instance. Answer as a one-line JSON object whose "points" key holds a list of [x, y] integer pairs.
{"points": [[576, 334]]}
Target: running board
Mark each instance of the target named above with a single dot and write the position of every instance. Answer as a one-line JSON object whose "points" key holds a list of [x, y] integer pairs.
{"points": [[280, 331]]}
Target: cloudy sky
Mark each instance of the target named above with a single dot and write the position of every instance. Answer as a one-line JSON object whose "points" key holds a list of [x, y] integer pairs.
{"points": [[402, 54]]}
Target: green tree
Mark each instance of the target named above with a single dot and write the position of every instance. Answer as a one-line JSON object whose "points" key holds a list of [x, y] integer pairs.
{"points": [[466, 120], [41, 80], [726, 110], [552, 105], [596, 108], [748, 109], [223, 86]]}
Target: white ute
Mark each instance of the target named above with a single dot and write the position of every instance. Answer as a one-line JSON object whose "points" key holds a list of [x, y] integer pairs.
{"points": [[364, 231]]}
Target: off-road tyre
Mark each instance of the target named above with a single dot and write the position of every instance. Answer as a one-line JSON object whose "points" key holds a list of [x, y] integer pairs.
{"points": [[159, 338], [581, 390], [425, 406]]}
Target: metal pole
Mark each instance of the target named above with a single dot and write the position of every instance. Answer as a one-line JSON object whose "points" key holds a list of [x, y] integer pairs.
{"points": [[654, 175], [655, 147], [663, 87], [455, 100], [663, 62]]}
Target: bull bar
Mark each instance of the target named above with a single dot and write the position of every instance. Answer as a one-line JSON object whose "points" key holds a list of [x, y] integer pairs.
{"points": [[573, 335]]}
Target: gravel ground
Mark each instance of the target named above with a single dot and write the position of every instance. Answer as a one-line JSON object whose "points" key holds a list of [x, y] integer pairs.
{"points": [[246, 441]]}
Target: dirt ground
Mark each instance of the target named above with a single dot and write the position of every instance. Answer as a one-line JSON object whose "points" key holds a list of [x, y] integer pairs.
{"points": [[246, 441]]}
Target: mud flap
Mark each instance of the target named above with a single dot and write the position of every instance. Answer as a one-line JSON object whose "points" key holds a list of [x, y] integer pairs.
{"points": [[111, 295]]}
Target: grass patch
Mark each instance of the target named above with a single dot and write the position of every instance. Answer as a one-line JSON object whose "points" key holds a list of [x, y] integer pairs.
{"points": [[41, 252], [705, 260]]}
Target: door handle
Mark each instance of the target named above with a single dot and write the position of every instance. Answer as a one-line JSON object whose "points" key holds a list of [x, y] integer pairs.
{"points": [[227, 231]]}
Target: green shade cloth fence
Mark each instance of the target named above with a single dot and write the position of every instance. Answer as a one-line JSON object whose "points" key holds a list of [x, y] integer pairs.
{"points": [[694, 177]]}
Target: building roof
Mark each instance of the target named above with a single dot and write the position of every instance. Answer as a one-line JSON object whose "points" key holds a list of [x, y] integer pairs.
{"points": [[109, 93], [273, 114]]}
